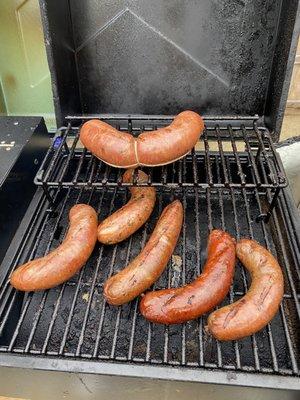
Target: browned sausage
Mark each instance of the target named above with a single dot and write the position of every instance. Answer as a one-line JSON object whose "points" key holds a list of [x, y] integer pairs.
{"points": [[61, 264], [253, 311], [146, 268], [174, 306], [160, 147], [128, 219]]}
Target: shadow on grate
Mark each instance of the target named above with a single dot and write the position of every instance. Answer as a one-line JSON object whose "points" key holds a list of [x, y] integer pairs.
{"points": [[73, 320]]}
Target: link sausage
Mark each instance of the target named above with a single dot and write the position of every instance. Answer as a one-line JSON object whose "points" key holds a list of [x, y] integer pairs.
{"points": [[128, 219], [178, 305], [159, 147], [253, 311], [61, 264], [146, 268]]}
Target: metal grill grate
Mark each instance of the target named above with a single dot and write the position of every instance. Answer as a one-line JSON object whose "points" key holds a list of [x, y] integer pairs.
{"points": [[226, 145], [73, 321]]}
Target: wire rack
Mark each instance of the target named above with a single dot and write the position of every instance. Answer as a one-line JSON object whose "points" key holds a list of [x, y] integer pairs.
{"points": [[244, 154], [250, 149], [73, 320]]}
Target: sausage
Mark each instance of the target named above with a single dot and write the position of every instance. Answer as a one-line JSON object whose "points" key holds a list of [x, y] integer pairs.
{"points": [[253, 311], [128, 219], [178, 305], [61, 264], [146, 268], [159, 147]]}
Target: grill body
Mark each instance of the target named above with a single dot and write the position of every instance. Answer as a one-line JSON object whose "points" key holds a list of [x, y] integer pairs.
{"points": [[228, 60], [228, 183]]}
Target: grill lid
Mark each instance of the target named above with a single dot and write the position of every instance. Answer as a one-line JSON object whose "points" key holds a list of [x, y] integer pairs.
{"points": [[161, 57]]}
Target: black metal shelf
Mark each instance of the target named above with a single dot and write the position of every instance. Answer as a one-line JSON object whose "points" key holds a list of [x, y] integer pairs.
{"points": [[67, 164], [242, 152]]}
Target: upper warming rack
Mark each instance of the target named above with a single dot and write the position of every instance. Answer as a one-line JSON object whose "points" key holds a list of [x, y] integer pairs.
{"points": [[222, 145]]}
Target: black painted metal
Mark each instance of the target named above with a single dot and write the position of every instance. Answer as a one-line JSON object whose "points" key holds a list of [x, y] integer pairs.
{"points": [[161, 57], [23, 144]]}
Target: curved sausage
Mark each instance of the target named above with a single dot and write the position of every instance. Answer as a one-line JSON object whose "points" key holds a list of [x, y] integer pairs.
{"points": [[146, 268], [174, 306], [159, 147], [253, 311], [61, 264], [128, 219]]}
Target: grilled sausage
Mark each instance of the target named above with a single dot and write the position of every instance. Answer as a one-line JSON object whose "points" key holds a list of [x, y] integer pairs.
{"points": [[177, 305], [253, 311], [128, 219], [61, 264], [159, 147], [146, 268]]}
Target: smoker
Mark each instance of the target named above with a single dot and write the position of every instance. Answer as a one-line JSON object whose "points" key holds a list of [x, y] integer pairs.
{"points": [[135, 65]]}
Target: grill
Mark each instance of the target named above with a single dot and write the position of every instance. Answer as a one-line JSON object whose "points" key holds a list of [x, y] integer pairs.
{"points": [[235, 183], [136, 64]]}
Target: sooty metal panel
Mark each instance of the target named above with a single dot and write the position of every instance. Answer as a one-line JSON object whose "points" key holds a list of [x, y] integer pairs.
{"points": [[161, 57]]}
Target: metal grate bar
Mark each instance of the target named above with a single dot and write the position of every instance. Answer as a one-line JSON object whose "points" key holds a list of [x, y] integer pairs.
{"points": [[207, 159], [236, 156], [183, 252], [251, 157], [223, 224], [199, 270], [79, 167], [67, 162], [272, 174], [222, 157]]}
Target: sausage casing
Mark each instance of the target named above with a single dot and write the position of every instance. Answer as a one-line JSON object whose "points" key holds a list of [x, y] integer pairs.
{"points": [[62, 263], [178, 305], [128, 219], [159, 147], [146, 268], [253, 311]]}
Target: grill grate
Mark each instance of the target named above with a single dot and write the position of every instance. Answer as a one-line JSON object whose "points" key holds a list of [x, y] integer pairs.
{"points": [[248, 147], [74, 321]]}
